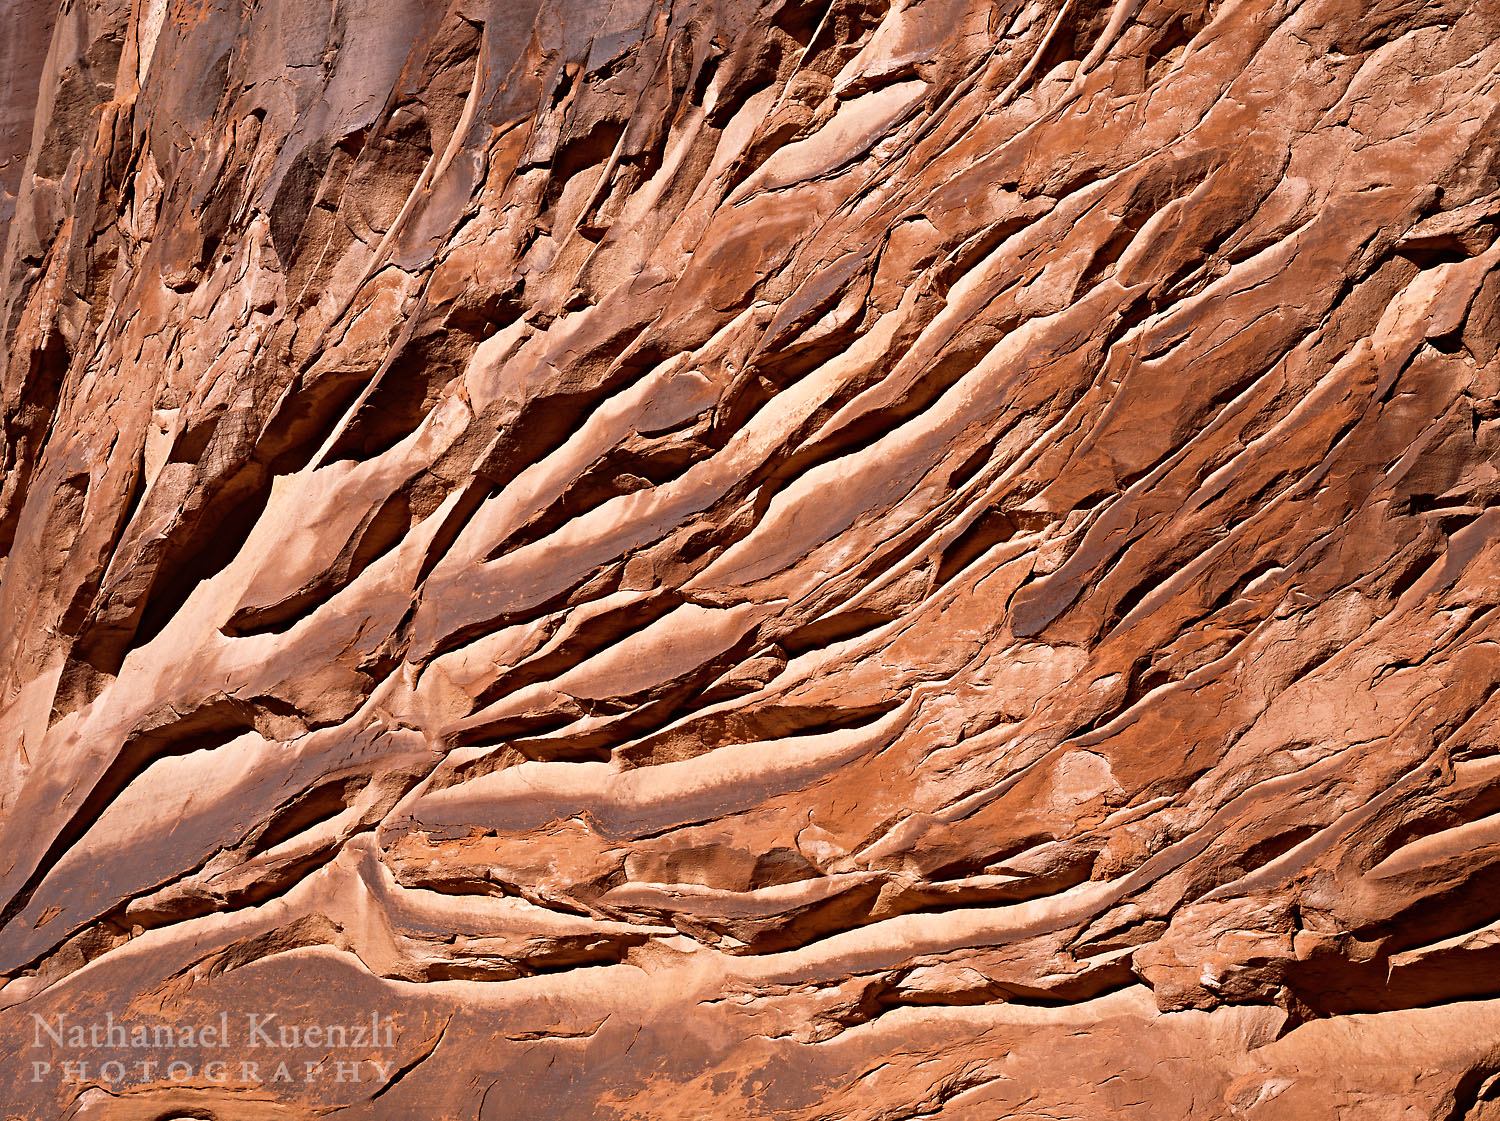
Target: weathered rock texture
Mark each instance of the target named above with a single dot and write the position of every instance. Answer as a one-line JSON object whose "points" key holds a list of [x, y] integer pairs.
{"points": [[754, 558]]}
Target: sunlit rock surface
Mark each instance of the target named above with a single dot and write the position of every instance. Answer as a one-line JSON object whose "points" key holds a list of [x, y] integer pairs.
{"points": [[716, 559]]}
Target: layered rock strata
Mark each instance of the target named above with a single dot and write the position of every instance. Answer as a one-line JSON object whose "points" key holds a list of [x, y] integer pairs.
{"points": [[869, 559]]}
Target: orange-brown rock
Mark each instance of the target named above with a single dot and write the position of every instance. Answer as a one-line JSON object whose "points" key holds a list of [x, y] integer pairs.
{"points": [[747, 559]]}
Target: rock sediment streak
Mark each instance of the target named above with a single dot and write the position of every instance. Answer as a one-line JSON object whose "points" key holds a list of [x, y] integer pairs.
{"points": [[855, 560]]}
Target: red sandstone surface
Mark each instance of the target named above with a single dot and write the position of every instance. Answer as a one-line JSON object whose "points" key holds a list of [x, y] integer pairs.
{"points": [[750, 559]]}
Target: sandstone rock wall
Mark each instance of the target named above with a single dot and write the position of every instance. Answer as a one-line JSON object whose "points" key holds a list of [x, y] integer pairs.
{"points": [[748, 559]]}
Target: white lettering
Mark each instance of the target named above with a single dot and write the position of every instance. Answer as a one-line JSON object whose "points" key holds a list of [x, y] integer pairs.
{"points": [[258, 1036], [42, 1026]]}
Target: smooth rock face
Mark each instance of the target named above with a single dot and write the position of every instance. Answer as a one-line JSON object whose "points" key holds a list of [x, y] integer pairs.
{"points": [[713, 559]]}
